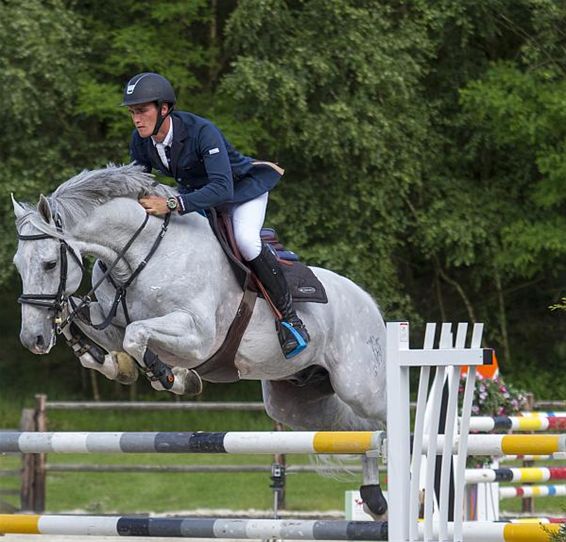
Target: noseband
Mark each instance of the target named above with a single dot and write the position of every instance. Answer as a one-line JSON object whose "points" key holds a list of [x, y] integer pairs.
{"points": [[58, 302]]}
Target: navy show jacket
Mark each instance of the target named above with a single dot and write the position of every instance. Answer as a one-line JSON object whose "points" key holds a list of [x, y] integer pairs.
{"points": [[209, 171]]}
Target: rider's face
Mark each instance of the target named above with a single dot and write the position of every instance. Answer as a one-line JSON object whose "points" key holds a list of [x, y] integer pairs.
{"points": [[144, 117]]}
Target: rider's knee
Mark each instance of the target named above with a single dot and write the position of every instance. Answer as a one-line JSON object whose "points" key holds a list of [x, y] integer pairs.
{"points": [[249, 244]]}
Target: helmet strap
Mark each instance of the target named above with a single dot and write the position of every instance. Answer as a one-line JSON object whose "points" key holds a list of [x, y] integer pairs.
{"points": [[160, 117]]}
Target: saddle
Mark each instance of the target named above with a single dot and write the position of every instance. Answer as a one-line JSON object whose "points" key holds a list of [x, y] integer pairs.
{"points": [[303, 284]]}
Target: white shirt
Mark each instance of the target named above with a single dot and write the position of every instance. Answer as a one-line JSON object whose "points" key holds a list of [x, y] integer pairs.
{"points": [[160, 147]]}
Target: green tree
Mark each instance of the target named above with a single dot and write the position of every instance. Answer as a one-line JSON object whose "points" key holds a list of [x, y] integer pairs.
{"points": [[490, 225], [39, 60], [411, 165], [423, 142], [337, 86]]}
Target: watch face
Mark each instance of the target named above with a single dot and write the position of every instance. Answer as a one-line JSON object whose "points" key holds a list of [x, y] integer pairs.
{"points": [[172, 203]]}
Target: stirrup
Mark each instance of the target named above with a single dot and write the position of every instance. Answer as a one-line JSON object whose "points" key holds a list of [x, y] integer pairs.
{"points": [[287, 332]]}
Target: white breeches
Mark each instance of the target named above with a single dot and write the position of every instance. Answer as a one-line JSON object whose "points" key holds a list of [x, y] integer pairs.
{"points": [[247, 221]]}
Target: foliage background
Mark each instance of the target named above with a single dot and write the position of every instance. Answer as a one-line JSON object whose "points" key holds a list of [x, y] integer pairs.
{"points": [[424, 145]]}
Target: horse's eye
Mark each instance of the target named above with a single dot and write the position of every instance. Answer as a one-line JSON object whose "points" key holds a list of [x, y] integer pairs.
{"points": [[50, 265]]}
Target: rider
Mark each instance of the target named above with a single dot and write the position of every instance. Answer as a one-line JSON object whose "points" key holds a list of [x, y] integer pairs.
{"points": [[210, 173]]}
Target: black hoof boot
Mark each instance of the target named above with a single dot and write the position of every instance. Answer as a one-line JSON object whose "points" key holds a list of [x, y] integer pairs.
{"points": [[293, 336], [158, 370], [374, 501]]}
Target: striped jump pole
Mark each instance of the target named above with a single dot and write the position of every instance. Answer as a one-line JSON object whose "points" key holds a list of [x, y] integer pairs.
{"points": [[559, 456], [525, 492], [518, 423], [252, 528], [522, 474], [193, 527], [541, 414], [258, 442], [505, 444], [265, 442]]}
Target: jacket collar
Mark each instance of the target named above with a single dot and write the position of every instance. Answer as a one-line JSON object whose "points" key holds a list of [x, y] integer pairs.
{"points": [[168, 137], [179, 136], [153, 156]]}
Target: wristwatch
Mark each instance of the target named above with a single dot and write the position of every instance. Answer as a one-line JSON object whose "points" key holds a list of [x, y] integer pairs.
{"points": [[172, 203]]}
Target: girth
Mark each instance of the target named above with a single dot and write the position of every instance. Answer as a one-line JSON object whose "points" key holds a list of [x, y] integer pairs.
{"points": [[220, 367]]}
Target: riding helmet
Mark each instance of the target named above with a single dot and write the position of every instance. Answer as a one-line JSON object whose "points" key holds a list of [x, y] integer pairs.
{"points": [[148, 87]]}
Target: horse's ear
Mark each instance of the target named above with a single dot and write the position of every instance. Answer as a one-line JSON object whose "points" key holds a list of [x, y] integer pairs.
{"points": [[44, 209], [19, 209]]}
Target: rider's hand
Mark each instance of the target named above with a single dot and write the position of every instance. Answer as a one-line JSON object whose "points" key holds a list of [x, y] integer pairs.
{"points": [[154, 205]]}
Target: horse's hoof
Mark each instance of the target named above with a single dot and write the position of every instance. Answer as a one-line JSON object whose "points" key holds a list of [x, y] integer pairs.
{"points": [[187, 382], [127, 368], [374, 502]]}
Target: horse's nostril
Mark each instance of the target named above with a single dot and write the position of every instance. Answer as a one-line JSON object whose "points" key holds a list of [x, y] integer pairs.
{"points": [[39, 341]]}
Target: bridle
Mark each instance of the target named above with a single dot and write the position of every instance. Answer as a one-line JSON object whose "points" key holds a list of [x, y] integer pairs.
{"points": [[59, 302], [56, 301]]}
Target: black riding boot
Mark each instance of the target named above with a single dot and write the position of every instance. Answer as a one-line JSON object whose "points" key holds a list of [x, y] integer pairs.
{"points": [[293, 334]]}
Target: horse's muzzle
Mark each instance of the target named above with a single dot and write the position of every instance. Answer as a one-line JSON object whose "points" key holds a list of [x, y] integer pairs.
{"points": [[38, 344]]}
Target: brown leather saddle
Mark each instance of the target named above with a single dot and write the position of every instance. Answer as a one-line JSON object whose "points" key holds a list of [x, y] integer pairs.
{"points": [[303, 283]]}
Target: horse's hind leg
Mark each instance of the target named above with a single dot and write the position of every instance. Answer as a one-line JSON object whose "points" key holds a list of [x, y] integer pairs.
{"points": [[360, 383], [370, 491], [314, 408], [309, 408]]}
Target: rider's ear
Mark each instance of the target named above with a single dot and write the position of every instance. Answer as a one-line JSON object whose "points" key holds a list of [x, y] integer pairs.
{"points": [[19, 209], [44, 209]]}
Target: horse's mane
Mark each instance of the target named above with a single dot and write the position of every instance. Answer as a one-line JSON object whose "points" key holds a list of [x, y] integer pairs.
{"points": [[76, 198]]}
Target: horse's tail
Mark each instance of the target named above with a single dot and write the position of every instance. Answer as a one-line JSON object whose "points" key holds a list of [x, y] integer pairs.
{"points": [[343, 468]]}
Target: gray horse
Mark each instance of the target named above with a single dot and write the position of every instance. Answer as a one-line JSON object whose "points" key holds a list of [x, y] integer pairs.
{"points": [[180, 306]]}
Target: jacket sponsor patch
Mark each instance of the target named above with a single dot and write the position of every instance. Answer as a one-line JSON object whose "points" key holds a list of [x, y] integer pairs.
{"points": [[216, 150]]}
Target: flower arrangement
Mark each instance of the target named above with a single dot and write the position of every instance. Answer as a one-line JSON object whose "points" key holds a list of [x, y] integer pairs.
{"points": [[493, 397]]}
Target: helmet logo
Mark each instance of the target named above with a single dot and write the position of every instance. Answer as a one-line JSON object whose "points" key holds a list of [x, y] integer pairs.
{"points": [[132, 86]]}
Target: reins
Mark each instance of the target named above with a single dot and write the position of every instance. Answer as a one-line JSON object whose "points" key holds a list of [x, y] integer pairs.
{"points": [[121, 289]]}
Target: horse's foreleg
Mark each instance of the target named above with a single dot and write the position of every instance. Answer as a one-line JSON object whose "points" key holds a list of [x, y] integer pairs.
{"points": [[174, 336], [100, 350]]}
